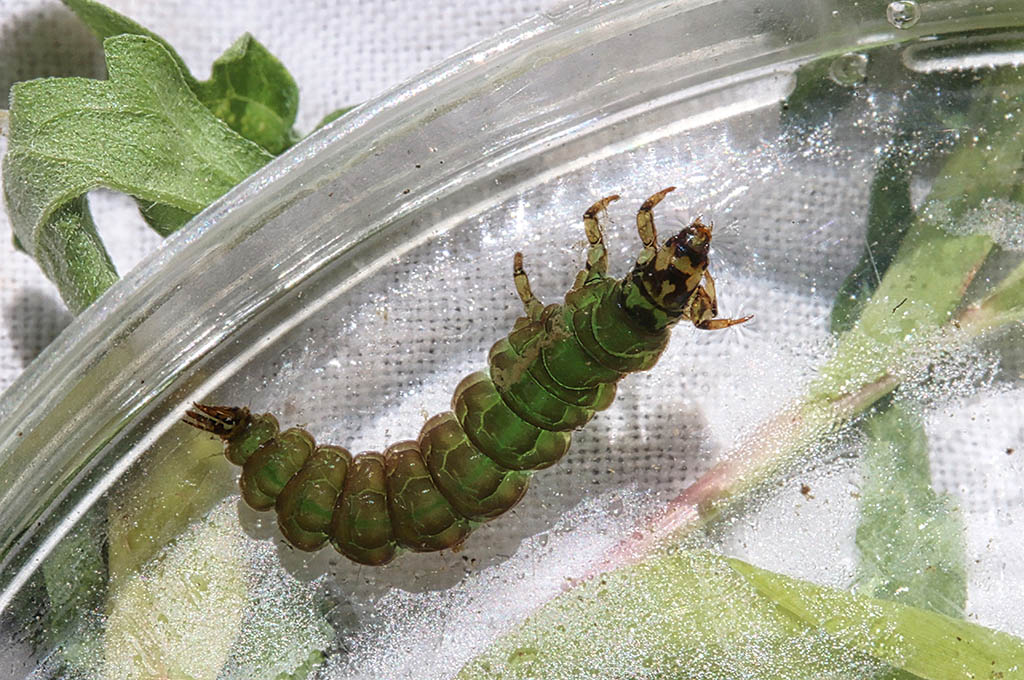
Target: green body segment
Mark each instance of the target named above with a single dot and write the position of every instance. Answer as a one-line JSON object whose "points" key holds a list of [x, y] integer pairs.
{"points": [[499, 433], [250, 436], [602, 325], [422, 518], [361, 525], [305, 506], [527, 397], [477, 487], [272, 465]]}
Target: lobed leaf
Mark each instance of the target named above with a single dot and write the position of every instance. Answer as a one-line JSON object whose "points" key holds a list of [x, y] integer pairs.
{"points": [[249, 88], [141, 132]]}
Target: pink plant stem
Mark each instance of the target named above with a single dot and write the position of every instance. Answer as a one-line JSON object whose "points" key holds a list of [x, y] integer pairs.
{"points": [[773, 446]]}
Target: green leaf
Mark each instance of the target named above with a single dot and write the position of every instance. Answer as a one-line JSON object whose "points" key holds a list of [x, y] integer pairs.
{"points": [[696, 614], [141, 132], [70, 252], [333, 116], [910, 537], [106, 23], [687, 615], [249, 88], [1002, 306], [889, 217], [927, 644], [254, 94], [164, 219]]}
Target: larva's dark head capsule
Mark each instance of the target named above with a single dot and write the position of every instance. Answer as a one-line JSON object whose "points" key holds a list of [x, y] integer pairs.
{"points": [[659, 289]]}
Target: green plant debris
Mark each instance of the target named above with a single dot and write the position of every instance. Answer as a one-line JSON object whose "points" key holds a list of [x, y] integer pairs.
{"points": [[177, 616], [922, 642], [284, 632], [935, 262], [188, 596], [212, 606], [685, 615], [890, 215], [700, 616], [75, 575], [141, 132], [910, 538]]}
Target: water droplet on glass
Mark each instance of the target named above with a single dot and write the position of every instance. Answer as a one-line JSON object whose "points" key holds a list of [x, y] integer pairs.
{"points": [[849, 69], [903, 13]]}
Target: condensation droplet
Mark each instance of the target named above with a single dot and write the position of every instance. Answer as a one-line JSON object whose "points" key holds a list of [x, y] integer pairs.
{"points": [[903, 13], [849, 69]]}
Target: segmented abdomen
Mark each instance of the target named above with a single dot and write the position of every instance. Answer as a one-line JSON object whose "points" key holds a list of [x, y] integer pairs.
{"points": [[469, 465]]}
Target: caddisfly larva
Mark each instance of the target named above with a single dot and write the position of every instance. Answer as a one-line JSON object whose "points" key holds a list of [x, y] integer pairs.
{"points": [[548, 377]]}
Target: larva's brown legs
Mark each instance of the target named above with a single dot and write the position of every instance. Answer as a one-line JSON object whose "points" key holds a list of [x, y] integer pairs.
{"points": [[531, 304], [709, 287], [597, 254], [704, 308], [645, 225]]}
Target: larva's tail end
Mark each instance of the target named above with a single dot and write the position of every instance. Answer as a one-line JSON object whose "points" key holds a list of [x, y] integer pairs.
{"points": [[220, 420]]}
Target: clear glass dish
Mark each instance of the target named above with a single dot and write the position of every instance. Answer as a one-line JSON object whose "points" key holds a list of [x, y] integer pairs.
{"points": [[350, 284]]}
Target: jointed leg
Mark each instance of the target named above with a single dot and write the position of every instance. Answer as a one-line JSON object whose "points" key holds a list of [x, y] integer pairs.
{"points": [[704, 308], [645, 225], [597, 255], [709, 286], [531, 304]]}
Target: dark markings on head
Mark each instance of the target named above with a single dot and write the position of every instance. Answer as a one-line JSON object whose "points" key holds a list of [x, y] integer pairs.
{"points": [[670, 278]]}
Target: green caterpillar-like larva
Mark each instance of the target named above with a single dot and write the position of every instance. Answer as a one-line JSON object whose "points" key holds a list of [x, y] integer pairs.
{"points": [[554, 371]]}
